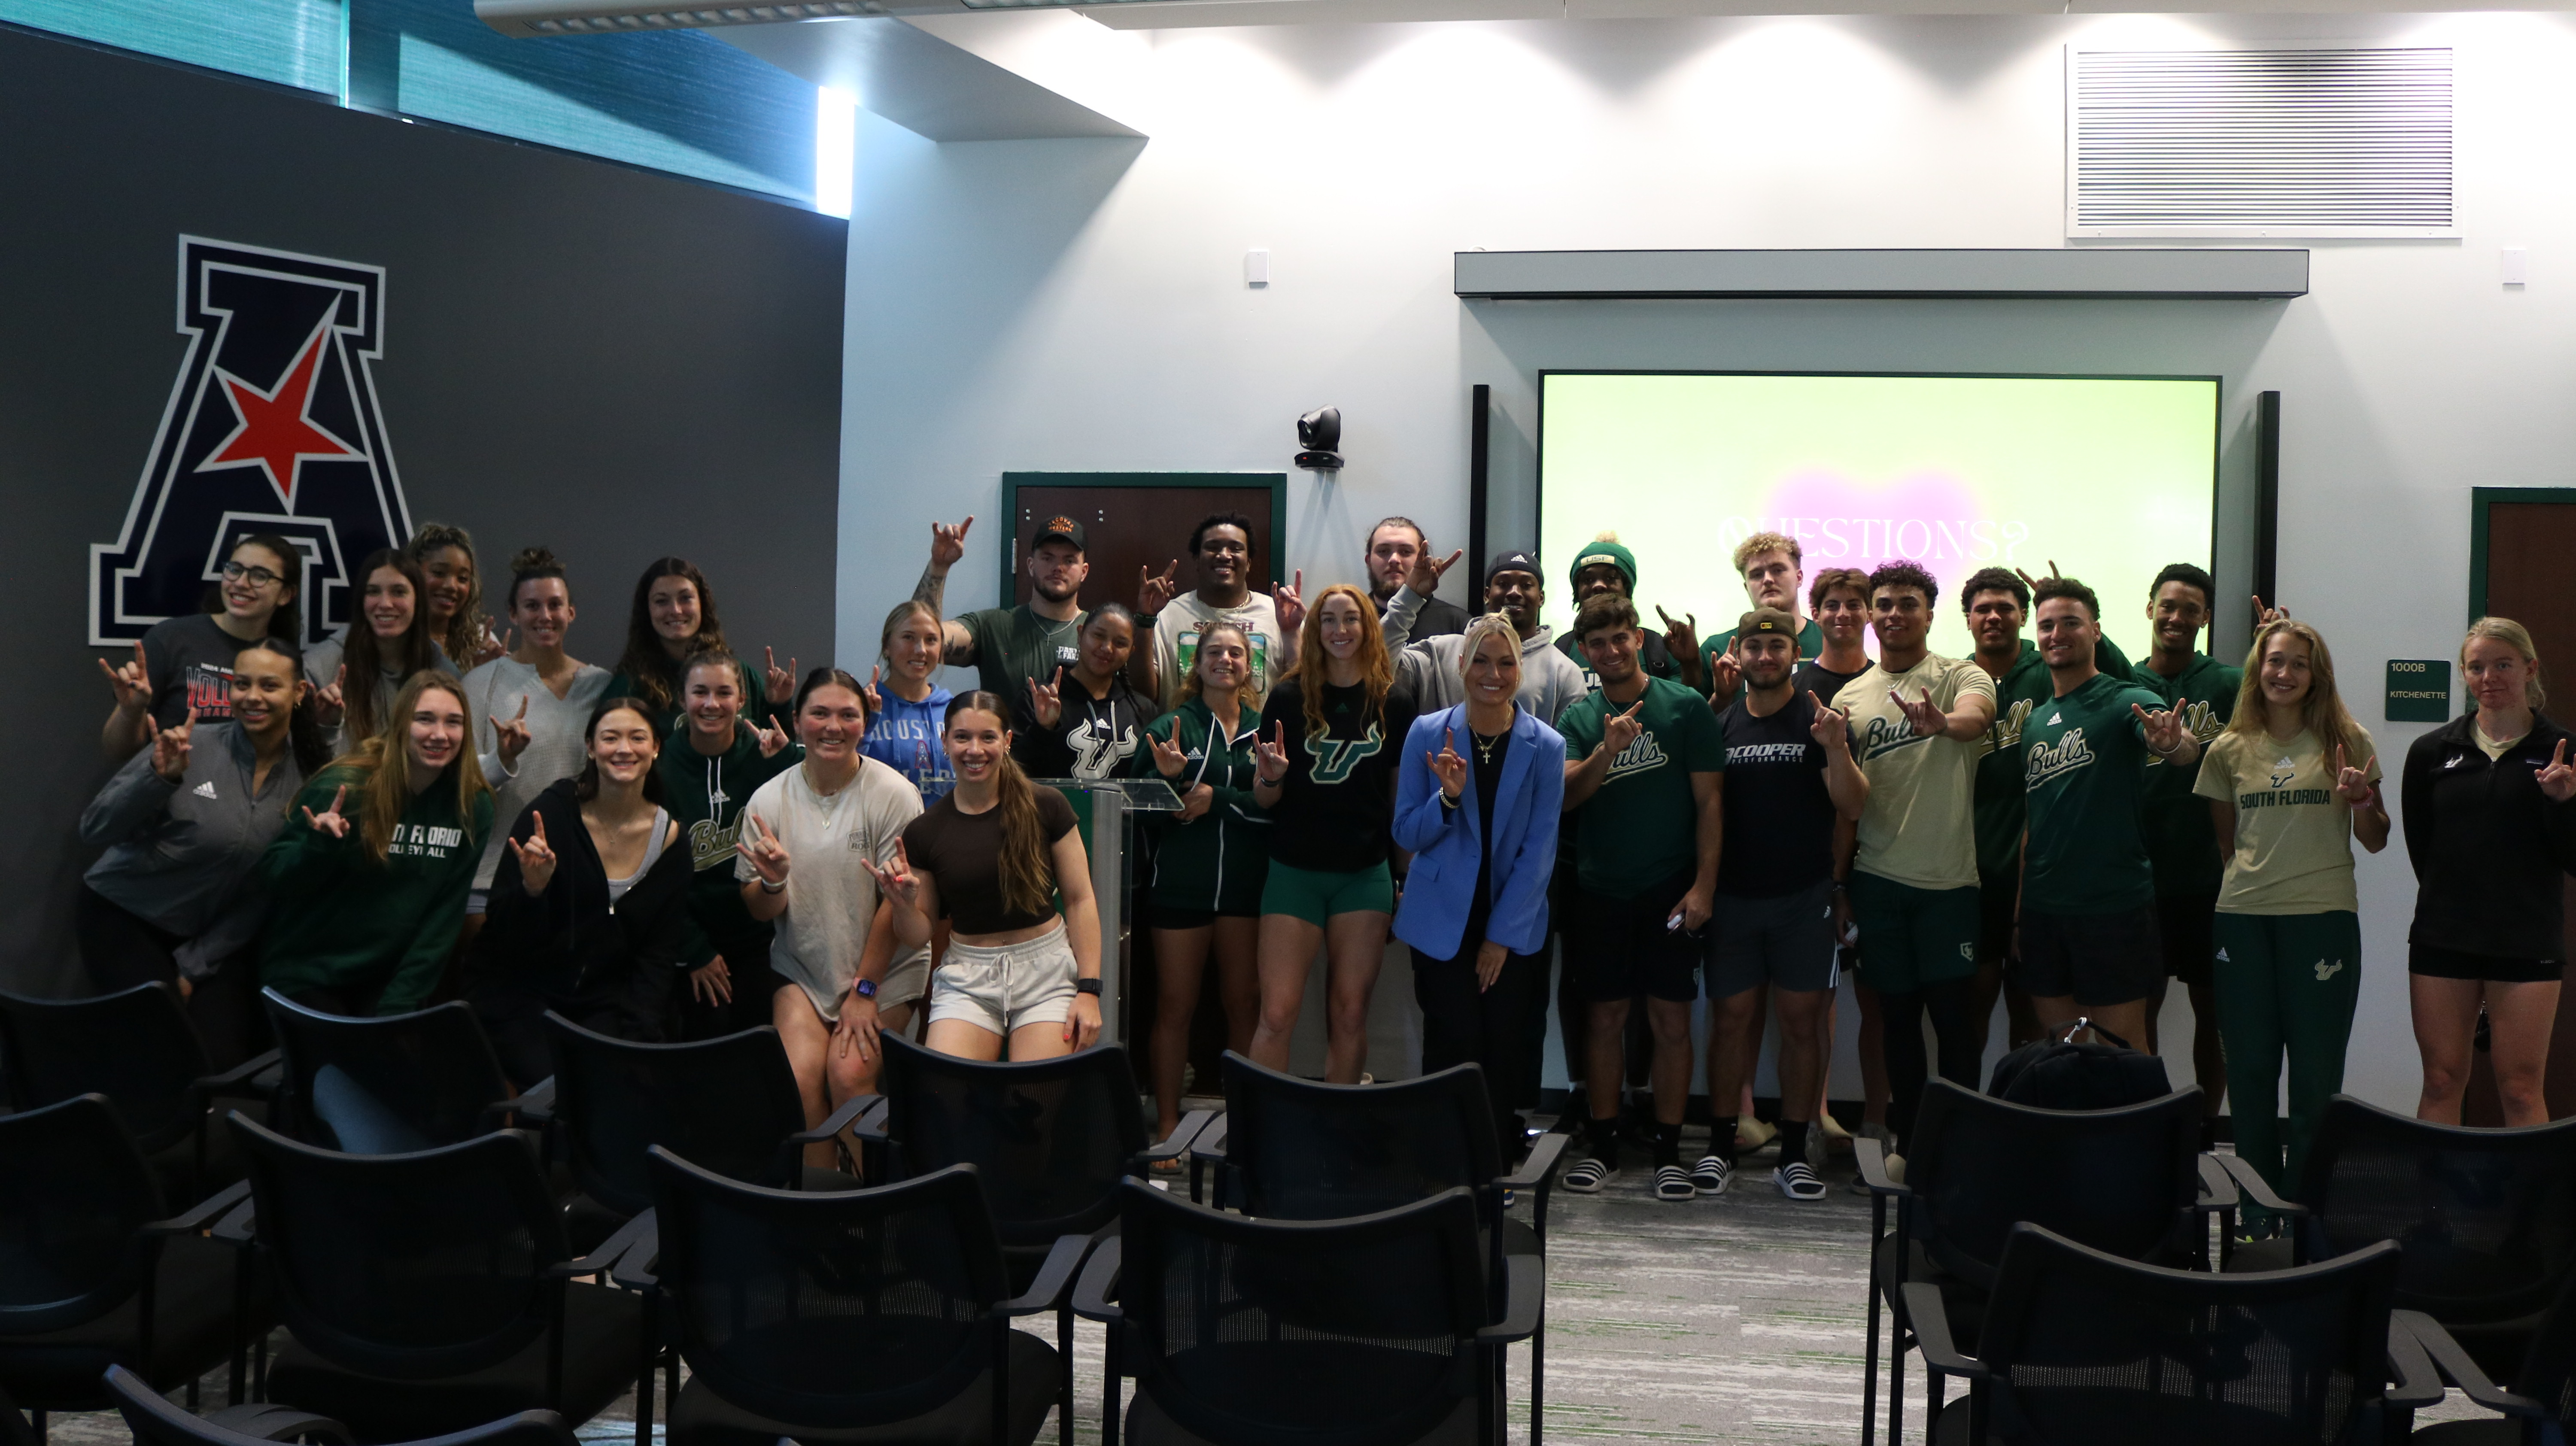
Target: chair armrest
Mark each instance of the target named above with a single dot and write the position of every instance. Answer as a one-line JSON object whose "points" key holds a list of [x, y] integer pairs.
{"points": [[1179, 1139], [1931, 1322], [239, 1228], [1209, 1147], [1524, 1301], [1099, 1282], [268, 1421], [611, 1252], [2455, 1365], [242, 1080], [2417, 1386], [634, 1267], [535, 1104], [1871, 1156], [2250, 1180], [871, 1126], [203, 1214], [1055, 1274], [842, 1118], [2217, 1187], [1540, 1167]]}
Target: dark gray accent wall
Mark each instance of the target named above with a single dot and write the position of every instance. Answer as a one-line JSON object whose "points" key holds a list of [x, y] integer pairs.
{"points": [[611, 362]]}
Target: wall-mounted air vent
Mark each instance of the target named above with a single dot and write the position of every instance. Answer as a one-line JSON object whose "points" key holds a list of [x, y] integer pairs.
{"points": [[2324, 142]]}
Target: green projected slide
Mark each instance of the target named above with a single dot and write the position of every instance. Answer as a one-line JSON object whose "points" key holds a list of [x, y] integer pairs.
{"points": [[2113, 478]]}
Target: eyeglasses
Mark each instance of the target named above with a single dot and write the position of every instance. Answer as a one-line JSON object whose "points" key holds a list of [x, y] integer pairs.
{"points": [[257, 576]]}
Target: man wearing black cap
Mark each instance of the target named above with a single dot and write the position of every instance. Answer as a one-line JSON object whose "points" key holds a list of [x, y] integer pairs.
{"points": [[1513, 587], [1009, 646], [1605, 565], [1394, 545]]}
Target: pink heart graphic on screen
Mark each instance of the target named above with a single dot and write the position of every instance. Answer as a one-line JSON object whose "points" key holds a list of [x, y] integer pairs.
{"points": [[1932, 518]]}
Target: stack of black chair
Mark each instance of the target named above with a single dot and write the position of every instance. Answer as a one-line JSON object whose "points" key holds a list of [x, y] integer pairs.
{"points": [[136, 1048]]}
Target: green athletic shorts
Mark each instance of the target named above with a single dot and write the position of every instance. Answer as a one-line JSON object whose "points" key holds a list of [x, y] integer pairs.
{"points": [[1912, 937], [1315, 895]]}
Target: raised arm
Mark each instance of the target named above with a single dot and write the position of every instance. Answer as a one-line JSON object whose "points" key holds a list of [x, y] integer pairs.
{"points": [[947, 545]]}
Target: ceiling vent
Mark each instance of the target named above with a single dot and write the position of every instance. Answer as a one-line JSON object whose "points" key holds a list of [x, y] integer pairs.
{"points": [[2323, 142]]}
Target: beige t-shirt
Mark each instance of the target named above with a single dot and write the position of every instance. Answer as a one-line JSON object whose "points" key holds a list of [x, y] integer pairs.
{"points": [[831, 901], [2495, 748], [1919, 827], [2293, 833]]}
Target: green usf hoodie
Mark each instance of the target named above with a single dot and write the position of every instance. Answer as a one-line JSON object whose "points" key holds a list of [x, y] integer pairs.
{"points": [[705, 796], [1218, 860], [2000, 808], [2182, 842], [338, 918]]}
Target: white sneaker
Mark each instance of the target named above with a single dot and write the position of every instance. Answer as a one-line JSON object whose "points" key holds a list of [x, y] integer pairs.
{"points": [[1798, 1182], [1711, 1174]]}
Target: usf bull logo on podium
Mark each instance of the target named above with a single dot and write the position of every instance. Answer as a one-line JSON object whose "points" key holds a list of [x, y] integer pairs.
{"points": [[271, 426]]}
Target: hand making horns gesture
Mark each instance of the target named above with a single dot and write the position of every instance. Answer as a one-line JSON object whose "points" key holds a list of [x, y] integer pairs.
{"points": [[1425, 575], [132, 682], [1681, 638], [1154, 593], [770, 739], [511, 738], [1270, 755], [1828, 727], [1447, 766], [329, 700], [2352, 785], [331, 820], [1046, 700], [2164, 729], [896, 880], [948, 544], [781, 682], [1169, 756], [1621, 729], [1289, 598], [760, 845], [170, 750], [2031, 582], [2264, 616], [1926, 716], [536, 858]]}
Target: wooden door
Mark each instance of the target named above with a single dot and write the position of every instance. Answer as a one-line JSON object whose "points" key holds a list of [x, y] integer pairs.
{"points": [[1130, 523], [2528, 537]]}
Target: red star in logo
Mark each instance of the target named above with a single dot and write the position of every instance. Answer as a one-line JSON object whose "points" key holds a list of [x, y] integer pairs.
{"points": [[274, 430]]}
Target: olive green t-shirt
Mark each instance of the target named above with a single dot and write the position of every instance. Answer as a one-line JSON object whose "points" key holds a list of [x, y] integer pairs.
{"points": [[1919, 827], [1642, 826], [2084, 758], [2180, 846], [1013, 645], [2293, 832]]}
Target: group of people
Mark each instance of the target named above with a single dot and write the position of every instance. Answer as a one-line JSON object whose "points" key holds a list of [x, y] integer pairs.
{"points": [[688, 844]]}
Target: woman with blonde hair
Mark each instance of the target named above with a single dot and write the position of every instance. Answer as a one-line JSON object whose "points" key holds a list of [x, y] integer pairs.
{"points": [[367, 883], [2491, 835], [2290, 783], [1325, 771]]}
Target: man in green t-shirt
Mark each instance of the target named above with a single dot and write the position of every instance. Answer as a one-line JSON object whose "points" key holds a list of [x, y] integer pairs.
{"points": [[2088, 926], [1605, 565], [1773, 567], [2182, 847], [1644, 757], [1007, 647], [1918, 722]]}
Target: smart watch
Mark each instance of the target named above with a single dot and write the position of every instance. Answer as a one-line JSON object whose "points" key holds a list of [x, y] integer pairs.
{"points": [[1086, 986], [864, 988]]}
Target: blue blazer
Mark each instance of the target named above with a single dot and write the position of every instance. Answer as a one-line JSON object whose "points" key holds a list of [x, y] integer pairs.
{"points": [[1447, 844]]}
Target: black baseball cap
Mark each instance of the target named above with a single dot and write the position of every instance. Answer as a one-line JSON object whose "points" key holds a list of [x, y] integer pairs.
{"points": [[1514, 560], [1058, 528]]}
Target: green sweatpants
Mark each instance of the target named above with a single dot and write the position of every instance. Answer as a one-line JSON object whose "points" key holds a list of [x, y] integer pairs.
{"points": [[2285, 982]]}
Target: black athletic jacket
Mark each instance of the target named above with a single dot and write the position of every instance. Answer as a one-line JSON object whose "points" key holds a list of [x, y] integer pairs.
{"points": [[2489, 848]]}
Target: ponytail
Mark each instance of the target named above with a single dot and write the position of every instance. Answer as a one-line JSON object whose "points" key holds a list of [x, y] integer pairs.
{"points": [[304, 738], [1027, 869]]}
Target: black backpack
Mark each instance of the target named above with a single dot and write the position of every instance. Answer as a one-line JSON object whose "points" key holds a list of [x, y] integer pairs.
{"points": [[2054, 1074]]}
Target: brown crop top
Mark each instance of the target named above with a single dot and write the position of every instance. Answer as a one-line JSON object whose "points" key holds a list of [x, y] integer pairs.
{"points": [[963, 852]]}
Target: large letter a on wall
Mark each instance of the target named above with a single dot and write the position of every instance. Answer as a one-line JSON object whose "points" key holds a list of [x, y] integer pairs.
{"points": [[272, 426]]}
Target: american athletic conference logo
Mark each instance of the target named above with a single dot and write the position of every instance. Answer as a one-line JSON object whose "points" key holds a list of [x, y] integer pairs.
{"points": [[272, 426]]}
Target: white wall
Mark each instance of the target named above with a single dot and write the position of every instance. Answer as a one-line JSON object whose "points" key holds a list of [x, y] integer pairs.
{"points": [[1079, 305]]}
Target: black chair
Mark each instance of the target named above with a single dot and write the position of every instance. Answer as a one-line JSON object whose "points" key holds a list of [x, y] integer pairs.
{"points": [[1371, 1331], [2130, 1181], [137, 1048], [431, 1292], [2487, 1218], [155, 1422], [1049, 1139], [730, 1105], [1296, 1149], [93, 1275], [2080, 1346], [875, 1315], [2543, 1391], [391, 1084]]}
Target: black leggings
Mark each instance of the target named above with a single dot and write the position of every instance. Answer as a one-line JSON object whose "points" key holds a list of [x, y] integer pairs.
{"points": [[1462, 1024], [1952, 1005]]}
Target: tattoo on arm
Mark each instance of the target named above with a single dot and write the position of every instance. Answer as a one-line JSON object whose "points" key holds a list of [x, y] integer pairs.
{"points": [[930, 588]]}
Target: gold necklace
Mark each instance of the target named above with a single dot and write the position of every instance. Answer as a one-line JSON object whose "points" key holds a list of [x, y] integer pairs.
{"points": [[1485, 746]]}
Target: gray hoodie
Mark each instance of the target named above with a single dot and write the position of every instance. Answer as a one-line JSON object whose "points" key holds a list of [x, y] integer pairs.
{"points": [[1549, 679], [183, 856]]}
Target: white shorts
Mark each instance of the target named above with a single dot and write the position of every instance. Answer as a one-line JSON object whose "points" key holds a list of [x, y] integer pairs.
{"points": [[999, 987]]}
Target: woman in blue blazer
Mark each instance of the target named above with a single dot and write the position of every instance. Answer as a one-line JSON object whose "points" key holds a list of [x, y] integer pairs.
{"points": [[1481, 824]]}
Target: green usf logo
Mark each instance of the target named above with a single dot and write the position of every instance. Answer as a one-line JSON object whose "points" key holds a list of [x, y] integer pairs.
{"points": [[1334, 758]]}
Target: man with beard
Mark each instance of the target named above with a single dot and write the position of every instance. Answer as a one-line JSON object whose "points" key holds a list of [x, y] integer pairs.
{"points": [[2089, 942], [1773, 567], [1607, 566], [1795, 788], [1549, 680], [1009, 646], [1221, 550], [1394, 545]]}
